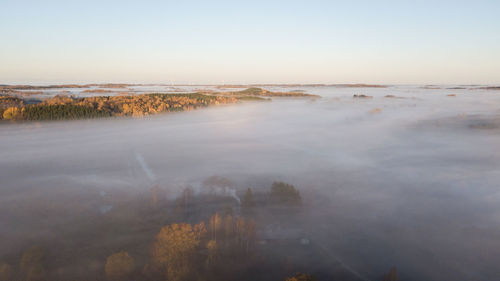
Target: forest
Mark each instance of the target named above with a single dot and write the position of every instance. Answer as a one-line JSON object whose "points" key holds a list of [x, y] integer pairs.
{"points": [[196, 235], [68, 107], [61, 107]]}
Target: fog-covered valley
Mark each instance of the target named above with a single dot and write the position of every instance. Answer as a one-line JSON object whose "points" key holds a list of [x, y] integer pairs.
{"points": [[404, 177]]}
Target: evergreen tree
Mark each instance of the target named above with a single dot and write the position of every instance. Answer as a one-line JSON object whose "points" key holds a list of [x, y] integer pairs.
{"points": [[283, 193], [248, 201]]}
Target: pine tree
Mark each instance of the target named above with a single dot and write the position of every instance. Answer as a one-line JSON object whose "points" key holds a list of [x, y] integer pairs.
{"points": [[248, 201]]}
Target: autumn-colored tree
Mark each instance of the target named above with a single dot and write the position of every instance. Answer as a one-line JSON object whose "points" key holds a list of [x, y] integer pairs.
{"points": [[301, 277], [248, 201], [212, 248], [174, 250], [12, 113], [391, 275], [200, 230], [59, 107], [6, 272], [119, 266], [214, 225], [283, 193]]}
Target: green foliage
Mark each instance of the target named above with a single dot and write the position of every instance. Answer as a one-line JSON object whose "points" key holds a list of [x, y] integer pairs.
{"points": [[252, 91], [202, 98], [119, 266], [253, 98], [64, 107], [62, 112], [70, 107], [283, 193]]}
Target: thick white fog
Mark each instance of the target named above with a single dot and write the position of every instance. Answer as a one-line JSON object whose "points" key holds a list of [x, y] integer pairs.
{"points": [[411, 181]]}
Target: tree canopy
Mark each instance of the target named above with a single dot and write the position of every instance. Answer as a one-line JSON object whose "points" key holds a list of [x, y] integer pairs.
{"points": [[283, 193], [119, 266], [174, 249]]}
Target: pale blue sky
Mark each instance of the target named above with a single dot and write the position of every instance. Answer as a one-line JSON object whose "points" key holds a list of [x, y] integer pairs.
{"points": [[392, 42]]}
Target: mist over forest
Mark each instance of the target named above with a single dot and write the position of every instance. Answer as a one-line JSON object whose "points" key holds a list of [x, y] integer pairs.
{"points": [[341, 187]]}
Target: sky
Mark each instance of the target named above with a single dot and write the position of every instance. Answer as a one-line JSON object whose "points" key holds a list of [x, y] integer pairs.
{"points": [[215, 42]]}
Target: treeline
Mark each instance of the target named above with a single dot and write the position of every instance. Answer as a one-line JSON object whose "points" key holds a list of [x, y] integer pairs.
{"points": [[62, 112], [70, 107], [259, 92], [64, 107]]}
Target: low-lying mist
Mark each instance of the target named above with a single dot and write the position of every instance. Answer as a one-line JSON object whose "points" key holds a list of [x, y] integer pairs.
{"points": [[410, 180]]}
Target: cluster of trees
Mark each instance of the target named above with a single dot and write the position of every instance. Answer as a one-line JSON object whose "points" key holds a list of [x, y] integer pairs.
{"points": [[65, 107], [119, 266], [220, 247], [61, 112], [285, 194], [174, 252], [68, 107], [183, 251], [9, 106]]}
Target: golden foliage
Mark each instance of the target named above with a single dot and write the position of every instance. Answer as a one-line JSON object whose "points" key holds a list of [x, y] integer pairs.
{"points": [[175, 247], [119, 266], [12, 113], [212, 248]]}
